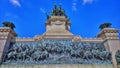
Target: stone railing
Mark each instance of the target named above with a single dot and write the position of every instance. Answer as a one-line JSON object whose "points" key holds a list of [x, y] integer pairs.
{"points": [[4, 30], [24, 39], [75, 38], [92, 40]]}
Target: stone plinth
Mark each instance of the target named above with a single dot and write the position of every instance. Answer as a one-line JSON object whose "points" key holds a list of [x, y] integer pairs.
{"points": [[58, 66], [109, 33], [24, 39], [7, 36], [111, 41], [92, 40], [57, 26]]}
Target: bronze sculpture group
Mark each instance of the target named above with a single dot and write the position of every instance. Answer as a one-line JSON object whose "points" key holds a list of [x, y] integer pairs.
{"points": [[57, 52]]}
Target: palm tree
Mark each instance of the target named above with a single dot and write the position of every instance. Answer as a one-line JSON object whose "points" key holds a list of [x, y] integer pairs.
{"points": [[8, 24]]}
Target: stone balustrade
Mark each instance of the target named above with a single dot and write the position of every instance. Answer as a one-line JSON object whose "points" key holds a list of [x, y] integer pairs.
{"points": [[24, 39]]}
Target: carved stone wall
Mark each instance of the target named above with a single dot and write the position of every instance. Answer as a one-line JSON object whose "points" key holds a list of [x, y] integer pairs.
{"points": [[24, 39]]}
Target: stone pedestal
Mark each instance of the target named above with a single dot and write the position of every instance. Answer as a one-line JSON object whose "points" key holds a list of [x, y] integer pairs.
{"points": [[7, 36], [111, 41], [58, 27], [59, 66]]}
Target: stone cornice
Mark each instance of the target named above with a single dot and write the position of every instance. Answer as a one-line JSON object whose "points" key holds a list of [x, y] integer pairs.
{"points": [[3, 37], [108, 30], [24, 39], [92, 40], [54, 18], [68, 23], [74, 38], [62, 18], [48, 23], [58, 36], [7, 29]]}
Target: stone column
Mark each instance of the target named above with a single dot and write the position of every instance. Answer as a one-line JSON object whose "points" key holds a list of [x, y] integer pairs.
{"points": [[7, 36], [111, 41]]}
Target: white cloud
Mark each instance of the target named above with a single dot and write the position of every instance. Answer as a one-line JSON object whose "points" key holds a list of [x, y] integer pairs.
{"points": [[10, 16], [74, 8], [7, 14], [87, 1], [15, 2], [42, 10]]}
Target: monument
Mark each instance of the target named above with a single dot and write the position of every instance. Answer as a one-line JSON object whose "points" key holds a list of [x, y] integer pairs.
{"points": [[59, 46]]}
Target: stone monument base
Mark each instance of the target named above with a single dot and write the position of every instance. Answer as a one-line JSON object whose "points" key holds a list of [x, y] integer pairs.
{"points": [[58, 66]]}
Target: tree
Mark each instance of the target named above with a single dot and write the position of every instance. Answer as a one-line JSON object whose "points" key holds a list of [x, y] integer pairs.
{"points": [[8, 24]]}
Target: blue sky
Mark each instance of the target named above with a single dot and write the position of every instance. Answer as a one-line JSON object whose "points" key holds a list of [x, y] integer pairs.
{"points": [[85, 15]]}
